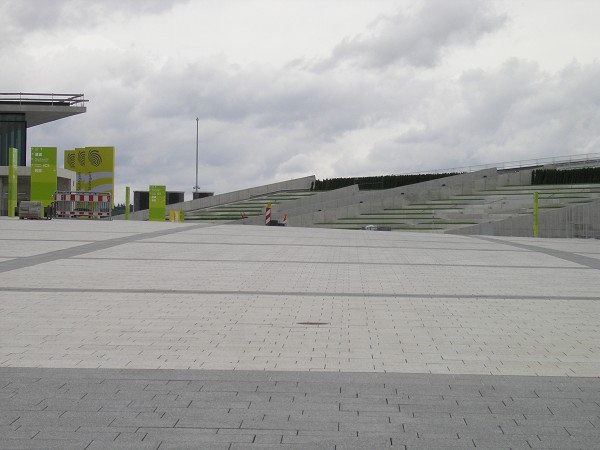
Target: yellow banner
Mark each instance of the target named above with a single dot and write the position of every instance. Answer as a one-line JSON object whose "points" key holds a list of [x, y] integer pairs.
{"points": [[95, 168]]}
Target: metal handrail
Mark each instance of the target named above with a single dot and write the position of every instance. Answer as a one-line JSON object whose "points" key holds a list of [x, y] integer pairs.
{"points": [[50, 99], [570, 159]]}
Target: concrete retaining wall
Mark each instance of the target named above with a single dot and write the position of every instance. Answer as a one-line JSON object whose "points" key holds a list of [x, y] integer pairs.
{"points": [[230, 197], [350, 202], [577, 221], [302, 212]]}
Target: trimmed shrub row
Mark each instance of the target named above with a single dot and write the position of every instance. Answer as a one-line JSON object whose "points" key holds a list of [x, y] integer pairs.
{"points": [[376, 183], [570, 176]]}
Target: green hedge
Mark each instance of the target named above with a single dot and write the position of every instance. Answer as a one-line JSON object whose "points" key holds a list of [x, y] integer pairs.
{"points": [[374, 183], [571, 176]]}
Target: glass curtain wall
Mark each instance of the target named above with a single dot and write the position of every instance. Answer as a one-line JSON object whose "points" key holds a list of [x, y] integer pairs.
{"points": [[13, 133]]}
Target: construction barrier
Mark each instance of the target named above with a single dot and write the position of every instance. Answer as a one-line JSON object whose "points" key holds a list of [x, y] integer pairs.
{"points": [[95, 205]]}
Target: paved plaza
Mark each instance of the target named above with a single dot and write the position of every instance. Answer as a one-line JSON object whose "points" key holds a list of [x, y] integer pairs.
{"points": [[146, 335]]}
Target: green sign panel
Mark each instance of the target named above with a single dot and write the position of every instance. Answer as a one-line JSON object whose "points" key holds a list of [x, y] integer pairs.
{"points": [[13, 161], [157, 203], [43, 174]]}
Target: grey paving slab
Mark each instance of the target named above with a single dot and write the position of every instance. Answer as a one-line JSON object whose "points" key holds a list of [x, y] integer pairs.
{"points": [[248, 337]]}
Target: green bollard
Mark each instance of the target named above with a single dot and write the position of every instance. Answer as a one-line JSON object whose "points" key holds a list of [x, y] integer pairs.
{"points": [[535, 214]]}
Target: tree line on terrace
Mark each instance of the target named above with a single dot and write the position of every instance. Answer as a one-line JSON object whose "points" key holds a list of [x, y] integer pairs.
{"points": [[376, 182], [569, 176]]}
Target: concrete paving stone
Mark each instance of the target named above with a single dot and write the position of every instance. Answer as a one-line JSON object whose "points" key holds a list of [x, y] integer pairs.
{"points": [[59, 404], [268, 439], [362, 444], [200, 422], [142, 419], [220, 404], [99, 434], [207, 413], [303, 446], [562, 442], [431, 420], [561, 421], [162, 401], [427, 444], [379, 427], [583, 409], [526, 409], [400, 314], [534, 430], [228, 386], [336, 439], [362, 419], [501, 442], [314, 425], [103, 445], [32, 444], [194, 446], [16, 432], [192, 431], [9, 418], [219, 395], [296, 407], [195, 435], [257, 432]]}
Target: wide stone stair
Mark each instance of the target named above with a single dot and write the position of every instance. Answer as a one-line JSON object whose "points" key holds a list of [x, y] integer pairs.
{"points": [[444, 214], [252, 207]]}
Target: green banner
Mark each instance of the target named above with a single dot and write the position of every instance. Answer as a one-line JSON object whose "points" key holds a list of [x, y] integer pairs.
{"points": [[13, 161], [157, 203], [43, 174]]}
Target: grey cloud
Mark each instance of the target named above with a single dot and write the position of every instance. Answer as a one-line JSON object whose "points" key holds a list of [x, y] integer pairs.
{"points": [[22, 17], [324, 106], [420, 39], [493, 98], [515, 112]]}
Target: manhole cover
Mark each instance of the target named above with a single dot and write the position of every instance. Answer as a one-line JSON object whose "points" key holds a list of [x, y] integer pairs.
{"points": [[312, 323]]}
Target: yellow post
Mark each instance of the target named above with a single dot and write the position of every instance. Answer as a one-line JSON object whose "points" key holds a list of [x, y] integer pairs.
{"points": [[535, 214]]}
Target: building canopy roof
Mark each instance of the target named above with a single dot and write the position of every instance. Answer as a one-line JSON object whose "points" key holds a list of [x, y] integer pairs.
{"points": [[42, 108]]}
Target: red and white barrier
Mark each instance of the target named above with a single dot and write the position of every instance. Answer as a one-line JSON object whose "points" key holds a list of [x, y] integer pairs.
{"points": [[79, 197], [82, 204]]}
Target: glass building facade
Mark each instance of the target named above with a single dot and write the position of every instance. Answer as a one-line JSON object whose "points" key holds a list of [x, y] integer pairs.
{"points": [[13, 133]]}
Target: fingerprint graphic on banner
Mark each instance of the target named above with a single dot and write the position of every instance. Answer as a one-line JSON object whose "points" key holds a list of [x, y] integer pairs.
{"points": [[94, 158], [95, 168], [71, 161]]}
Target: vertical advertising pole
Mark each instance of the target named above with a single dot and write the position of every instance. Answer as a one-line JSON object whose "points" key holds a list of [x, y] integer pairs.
{"points": [[127, 202], [157, 203], [43, 175], [13, 156], [535, 214]]}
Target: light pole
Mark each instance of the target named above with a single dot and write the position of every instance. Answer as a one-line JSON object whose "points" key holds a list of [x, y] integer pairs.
{"points": [[196, 186]]}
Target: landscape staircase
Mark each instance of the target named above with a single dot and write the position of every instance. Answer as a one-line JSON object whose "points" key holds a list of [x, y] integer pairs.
{"points": [[442, 215]]}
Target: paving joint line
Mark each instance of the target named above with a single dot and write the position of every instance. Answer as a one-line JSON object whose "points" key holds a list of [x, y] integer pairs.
{"points": [[28, 261], [295, 294], [567, 256]]}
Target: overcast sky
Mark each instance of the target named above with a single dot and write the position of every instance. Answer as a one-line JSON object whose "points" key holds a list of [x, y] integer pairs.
{"points": [[289, 88]]}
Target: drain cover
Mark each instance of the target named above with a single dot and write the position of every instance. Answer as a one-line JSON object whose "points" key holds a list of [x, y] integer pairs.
{"points": [[312, 323]]}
